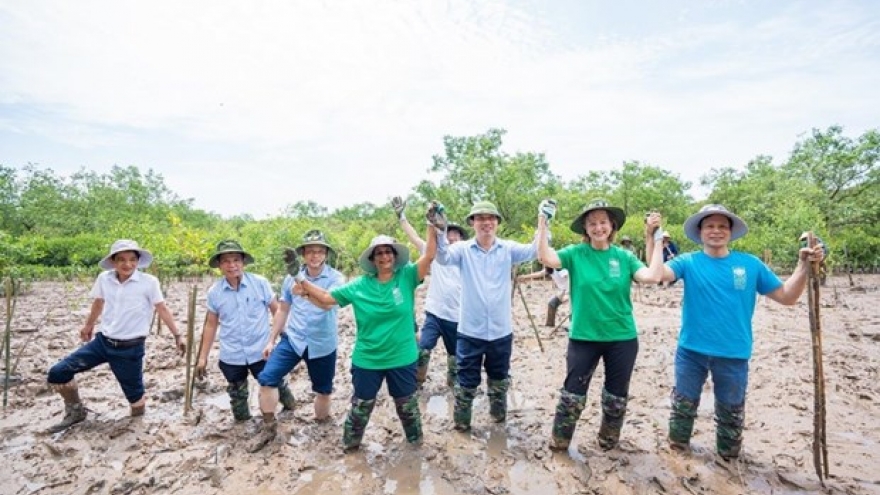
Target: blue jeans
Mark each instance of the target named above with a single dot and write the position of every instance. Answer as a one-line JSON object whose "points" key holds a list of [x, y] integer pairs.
{"points": [[401, 381], [126, 363], [730, 377], [436, 328], [284, 358], [472, 354]]}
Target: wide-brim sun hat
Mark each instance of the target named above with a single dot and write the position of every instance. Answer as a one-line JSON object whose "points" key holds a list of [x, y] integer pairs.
{"points": [[483, 208], [144, 256], [401, 256], [314, 238], [461, 230], [618, 216], [229, 246], [692, 224]]}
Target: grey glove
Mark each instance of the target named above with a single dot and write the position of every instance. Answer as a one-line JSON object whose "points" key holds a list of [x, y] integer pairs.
{"points": [[436, 215], [547, 208], [399, 206], [291, 261]]}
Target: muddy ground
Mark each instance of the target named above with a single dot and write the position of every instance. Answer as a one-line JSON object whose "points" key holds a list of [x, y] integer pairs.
{"points": [[202, 452]]}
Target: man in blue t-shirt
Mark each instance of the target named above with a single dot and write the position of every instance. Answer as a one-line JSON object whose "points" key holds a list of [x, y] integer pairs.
{"points": [[716, 329]]}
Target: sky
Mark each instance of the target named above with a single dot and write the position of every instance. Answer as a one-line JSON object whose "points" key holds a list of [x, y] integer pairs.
{"points": [[247, 107]]}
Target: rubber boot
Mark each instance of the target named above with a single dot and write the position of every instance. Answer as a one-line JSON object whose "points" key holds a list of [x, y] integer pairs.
{"points": [[613, 412], [681, 421], [356, 422], [498, 399], [568, 412], [552, 306], [729, 422], [422, 366], [74, 411], [267, 433], [451, 372], [238, 399], [285, 397], [410, 417], [464, 407]]}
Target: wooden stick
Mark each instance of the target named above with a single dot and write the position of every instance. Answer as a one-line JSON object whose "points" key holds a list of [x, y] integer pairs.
{"points": [[531, 319], [820, 446], [190, 331], [7, 338], [561, 323]]}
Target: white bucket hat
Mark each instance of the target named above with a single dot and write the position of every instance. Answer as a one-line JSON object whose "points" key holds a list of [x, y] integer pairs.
{"points": [[401, 253], [692, 224], [144, 256]]}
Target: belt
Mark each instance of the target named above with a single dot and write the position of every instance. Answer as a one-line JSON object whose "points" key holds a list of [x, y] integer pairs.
{"points": [[124, 343]]}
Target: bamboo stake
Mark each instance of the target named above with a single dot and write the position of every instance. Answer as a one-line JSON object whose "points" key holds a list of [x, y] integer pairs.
{"points": [[531, 319], [561, 323], [7, 338], [190, 331], [820, 446]]}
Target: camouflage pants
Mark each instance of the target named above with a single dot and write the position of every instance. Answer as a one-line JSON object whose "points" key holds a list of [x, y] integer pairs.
{"points": [[238, 400], [356, 422], [729, 422], [613, 412], [498, 399], [464, 407], [410, 417], [568, 412], [681, 420]]}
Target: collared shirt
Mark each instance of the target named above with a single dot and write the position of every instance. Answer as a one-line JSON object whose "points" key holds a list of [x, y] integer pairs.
{"points": [[485, 283], [444, 291], [244, 317], [309, 326], [560, 278], [128, 306]]}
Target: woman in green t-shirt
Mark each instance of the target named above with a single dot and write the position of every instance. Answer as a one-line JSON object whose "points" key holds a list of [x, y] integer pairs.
{"points": [[385, 347], [602, 323]]}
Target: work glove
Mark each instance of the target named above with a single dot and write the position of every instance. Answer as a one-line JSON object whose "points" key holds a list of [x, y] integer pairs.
{"points": [[436, 215], [547, 208], [291, 261], [399, 206]]}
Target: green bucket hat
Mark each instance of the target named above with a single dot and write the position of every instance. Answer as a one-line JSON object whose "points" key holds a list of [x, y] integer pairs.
{"points": [[229, 246], [617, 215], [314, 237], [483, 208]]}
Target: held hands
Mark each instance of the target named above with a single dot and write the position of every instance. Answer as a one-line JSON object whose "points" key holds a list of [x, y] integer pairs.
{"points": [[436, 215], [291, 261], [652, 226], [399, 206], [547, 208]]}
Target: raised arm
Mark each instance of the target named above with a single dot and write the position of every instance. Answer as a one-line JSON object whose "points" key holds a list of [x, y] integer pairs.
{"points": [[546, 254], [424, 261], [656, 270]]}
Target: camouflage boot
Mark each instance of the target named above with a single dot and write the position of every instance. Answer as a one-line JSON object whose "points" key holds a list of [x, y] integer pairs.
{"points": [[568, 412], [729, 422], [681, 421], [498, 399], [73, 414], [464, 407], [356, 422], [238, 400], [285, 397], [552, 306], [422, 366], [451, 372], [410, 417], [613, 411]]}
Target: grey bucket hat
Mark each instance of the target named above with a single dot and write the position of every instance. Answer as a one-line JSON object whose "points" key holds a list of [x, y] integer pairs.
{"points": [[401, 253], [692, 224], [144, 256]]}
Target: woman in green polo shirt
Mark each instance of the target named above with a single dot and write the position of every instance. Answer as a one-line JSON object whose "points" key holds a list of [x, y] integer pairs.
{"points": [[385, 347]]}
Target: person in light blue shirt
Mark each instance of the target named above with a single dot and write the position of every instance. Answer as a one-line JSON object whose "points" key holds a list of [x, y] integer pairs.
{"points": [[441, 302], [307, 333], [485, 325], [239, 304], [721, 287]]}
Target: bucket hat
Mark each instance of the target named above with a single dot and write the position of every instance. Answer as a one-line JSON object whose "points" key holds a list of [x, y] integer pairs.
{"points": [[617, 215], [626, 238], [692, 224], [401, 253], [314, 237], [461, 230], [483, 208], [229, 246], [144, 256]]}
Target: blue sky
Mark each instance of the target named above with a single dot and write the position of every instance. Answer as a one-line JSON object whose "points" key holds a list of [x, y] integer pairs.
{"points": [[247, 107]]}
